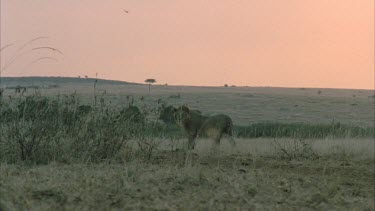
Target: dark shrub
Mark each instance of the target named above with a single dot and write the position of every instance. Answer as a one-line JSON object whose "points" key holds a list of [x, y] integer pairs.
{"points": [[132, 114], [167, 115]]}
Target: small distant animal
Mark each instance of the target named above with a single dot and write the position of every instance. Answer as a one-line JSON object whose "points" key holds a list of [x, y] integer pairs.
{"points": [[196, 124], [126, 11]]}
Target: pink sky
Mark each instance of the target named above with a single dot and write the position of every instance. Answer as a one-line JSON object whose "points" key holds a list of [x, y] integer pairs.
{"points": [[288, 43]]}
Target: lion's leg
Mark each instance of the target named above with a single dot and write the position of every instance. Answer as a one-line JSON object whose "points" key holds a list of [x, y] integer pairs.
{"points": [[216, 143], [233, 145], [188, 158], [231, 141], [216, 146], [191, 142], [189, 153]]}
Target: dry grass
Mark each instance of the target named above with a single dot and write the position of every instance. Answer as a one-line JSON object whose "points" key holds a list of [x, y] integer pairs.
{"points": [[253, 176], [360, 149], [261, 173], [245, 105]]}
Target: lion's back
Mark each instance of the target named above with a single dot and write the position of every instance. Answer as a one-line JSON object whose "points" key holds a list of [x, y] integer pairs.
{"points": [[220, 123]]}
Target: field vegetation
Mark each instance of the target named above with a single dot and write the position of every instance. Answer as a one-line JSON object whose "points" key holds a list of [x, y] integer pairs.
{"points": [[78, 147]]}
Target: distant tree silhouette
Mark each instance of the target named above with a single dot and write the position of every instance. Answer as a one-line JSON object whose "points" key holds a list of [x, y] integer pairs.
{"points": [[150, 81]]}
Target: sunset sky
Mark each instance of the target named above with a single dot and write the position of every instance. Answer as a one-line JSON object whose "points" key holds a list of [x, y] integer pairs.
{"points": [[283, 43]]}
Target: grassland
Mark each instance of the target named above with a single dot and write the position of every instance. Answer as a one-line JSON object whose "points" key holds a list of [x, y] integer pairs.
{"points": [[246, 105], [72, 146]]}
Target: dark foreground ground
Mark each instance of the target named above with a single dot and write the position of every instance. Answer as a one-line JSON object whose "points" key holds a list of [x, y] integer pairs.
{"points": [[226, 182]]}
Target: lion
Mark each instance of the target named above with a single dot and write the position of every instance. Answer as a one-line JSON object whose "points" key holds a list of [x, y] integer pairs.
{"points": [[167, 114], [196, 124]]}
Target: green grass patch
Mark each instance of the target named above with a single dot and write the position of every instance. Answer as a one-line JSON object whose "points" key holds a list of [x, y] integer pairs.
{"points": [[302, 130]]}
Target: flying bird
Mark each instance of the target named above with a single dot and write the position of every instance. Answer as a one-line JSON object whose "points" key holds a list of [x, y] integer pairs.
{"points": [[126, 11]]}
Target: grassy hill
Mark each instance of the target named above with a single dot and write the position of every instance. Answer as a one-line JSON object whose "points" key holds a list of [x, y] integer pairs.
{"points": [[245, 105], [70, 145], [47, 81]]}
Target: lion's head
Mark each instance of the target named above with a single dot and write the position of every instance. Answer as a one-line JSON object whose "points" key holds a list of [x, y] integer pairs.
{"points": [[182, 115]]}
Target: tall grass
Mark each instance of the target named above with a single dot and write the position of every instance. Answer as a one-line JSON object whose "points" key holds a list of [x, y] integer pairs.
{"points": [[302, 130], [38, 129]]}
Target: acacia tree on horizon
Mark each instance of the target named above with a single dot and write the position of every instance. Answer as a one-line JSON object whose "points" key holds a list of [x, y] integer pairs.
{"points": [[150, 81]]}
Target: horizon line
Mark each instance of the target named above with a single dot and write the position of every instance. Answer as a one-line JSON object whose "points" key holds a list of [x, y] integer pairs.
{"points": [[215, 86]]}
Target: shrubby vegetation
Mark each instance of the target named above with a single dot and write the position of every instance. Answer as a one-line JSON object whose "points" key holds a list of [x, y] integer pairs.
{"points": [[39, 129]]}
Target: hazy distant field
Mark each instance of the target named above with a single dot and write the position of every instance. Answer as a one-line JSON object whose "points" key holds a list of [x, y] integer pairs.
{"points": [[244, 104], [78, 170]]}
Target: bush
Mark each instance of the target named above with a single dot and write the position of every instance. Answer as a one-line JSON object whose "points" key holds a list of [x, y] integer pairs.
{"points": [[36, 129], [29, 129], [39, 129], [167, 115], [132, 114]]}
